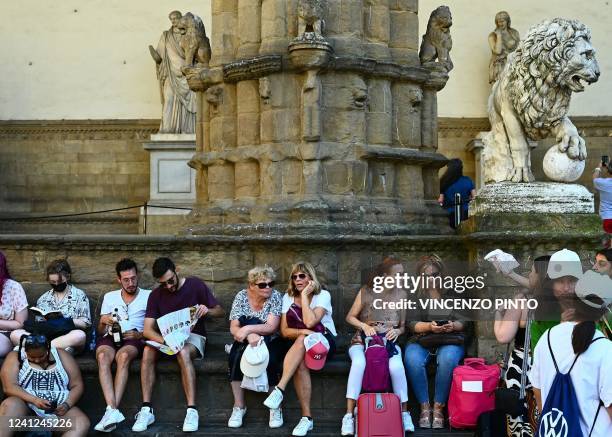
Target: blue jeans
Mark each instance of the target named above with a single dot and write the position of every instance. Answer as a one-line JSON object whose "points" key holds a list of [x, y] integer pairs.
{"points": [[416, 358]]}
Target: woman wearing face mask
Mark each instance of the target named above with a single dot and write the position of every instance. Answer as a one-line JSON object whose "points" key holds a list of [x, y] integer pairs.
{"points": [[66, 299], [13, 307], [41, 379]]}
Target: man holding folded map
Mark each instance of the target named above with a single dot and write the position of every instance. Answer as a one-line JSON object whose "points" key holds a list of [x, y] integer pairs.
{"points": [[178, 294]]}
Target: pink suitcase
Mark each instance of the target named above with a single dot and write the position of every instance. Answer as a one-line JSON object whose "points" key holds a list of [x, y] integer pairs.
{"points": [[379, 415]]}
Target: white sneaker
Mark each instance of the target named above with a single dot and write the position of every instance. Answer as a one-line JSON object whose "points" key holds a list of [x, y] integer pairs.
{"points": [[348, 425], [144, 418], [407, 421], [192, 420], [109, 421], [235, 420], [304, 425], [274, 400], [276, 418]]}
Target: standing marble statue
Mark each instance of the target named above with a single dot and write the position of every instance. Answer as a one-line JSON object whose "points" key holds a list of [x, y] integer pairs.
{"points": [[178, 101], [503, 41]]}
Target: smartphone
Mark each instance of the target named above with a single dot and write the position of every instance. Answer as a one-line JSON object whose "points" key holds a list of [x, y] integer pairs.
{"points": [[605, 159], [52, 408], [441, 322]]}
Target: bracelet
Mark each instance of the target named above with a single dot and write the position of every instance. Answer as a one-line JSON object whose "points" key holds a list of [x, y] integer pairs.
{"points": [[67, 405]]}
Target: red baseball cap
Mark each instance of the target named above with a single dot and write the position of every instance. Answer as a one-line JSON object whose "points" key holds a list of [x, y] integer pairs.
{"points": [[317, 348]]}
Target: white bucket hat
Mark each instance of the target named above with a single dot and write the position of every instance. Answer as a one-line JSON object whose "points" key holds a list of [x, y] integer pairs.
{"points": [[595, 289], [255, 359], [564, 263]]}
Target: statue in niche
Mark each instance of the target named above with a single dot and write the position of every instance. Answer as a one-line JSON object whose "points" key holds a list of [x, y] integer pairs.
{"points": [[179, 103], [503, 41], [437, 42], [530, 100], [310, 17]]}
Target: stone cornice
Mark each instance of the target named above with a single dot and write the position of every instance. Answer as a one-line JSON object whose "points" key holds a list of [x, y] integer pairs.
{"points": [[138, 128], [455, 127]]}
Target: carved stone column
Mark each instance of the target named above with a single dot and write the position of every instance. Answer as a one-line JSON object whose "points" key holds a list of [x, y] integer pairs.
{"points": [[329, 127]]}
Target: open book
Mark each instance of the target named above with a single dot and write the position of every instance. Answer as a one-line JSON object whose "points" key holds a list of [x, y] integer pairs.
{"points": [[52, 314], [161, 347]]}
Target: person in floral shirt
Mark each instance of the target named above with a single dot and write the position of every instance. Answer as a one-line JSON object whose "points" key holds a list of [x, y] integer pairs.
{"points": [[13, 307], [71, 301]]}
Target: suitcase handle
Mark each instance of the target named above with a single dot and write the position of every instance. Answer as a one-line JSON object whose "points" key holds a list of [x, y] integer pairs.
{"points": [[379, 402]]}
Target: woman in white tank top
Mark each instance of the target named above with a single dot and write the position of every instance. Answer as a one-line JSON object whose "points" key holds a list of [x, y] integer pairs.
{"points": [[47, 381]]}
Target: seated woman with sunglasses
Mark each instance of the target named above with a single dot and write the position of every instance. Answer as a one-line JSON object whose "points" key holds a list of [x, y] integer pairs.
{"points": [[372, 317], [255, 314], [66, 301], [13, 307], [45, 380], [447, 352], [306, 309]]}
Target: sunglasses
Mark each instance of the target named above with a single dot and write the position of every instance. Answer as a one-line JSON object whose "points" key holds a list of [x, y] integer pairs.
{"points": [[299, 276], [264, 285], [35, 340], [170, 281]]}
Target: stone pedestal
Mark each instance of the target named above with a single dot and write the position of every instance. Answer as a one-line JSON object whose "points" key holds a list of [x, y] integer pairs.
{"points": [[527, 220], [172, 181], [476, 146]]}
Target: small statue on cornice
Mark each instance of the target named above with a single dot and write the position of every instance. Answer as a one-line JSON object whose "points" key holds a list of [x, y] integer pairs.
{"points": [[194, 41], [503, 41], [310, 18], [437, 41]]}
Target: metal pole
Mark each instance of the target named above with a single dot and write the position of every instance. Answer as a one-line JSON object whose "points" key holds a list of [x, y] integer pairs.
{"points": [[457, 209], [144, 220]]}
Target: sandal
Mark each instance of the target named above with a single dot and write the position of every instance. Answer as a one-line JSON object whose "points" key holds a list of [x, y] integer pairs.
{"points": [[438, 416], [425, 417]]}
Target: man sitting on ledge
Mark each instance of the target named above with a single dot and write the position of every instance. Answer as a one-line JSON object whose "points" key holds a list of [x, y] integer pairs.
{"points": [[175, 293]]}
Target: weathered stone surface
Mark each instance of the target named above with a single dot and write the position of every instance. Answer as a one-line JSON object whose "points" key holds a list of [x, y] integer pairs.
{"points": [[546, 198]]}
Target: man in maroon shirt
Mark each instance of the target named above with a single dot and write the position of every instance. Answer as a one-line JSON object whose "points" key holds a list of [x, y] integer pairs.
{"points": [[174, 293]]}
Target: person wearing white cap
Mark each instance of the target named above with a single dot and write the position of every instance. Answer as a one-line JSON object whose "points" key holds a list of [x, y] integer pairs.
{"points": [[254, 321], [309, 330], [580, 349]]}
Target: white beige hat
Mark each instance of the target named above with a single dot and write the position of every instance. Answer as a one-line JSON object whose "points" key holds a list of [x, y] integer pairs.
{"points": [[564, 263], [595, 289], [255, 359]]}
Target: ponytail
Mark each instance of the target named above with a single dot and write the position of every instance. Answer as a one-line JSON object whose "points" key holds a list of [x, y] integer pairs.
{"points": [[582, 336]]}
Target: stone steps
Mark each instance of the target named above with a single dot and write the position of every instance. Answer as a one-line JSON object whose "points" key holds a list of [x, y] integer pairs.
{"points": [[258, 428]]}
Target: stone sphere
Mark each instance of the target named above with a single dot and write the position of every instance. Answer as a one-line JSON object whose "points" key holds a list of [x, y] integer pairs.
{"points": [[561, 168]]}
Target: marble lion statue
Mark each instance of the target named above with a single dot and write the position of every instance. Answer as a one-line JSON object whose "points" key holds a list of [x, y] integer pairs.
{"points": [[310, 16], [437, 41], [194, 41], [531, 98]]}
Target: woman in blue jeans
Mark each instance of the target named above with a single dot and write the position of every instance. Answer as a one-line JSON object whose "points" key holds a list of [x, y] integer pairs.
{"points": [[447, 356]]}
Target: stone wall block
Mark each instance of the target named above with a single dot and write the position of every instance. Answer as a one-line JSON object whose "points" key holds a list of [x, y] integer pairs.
{"points": [[292, 177], [249, 23], [409, 181], [404, 34], [221, 181], [344, 102], [404, 5], [382, 179], [376, 21], [223, 39], [247, 179], [271, 178], [280, 125], [344, 26], [407, 101], [247, 96], [274, 34], [379, 112]]}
